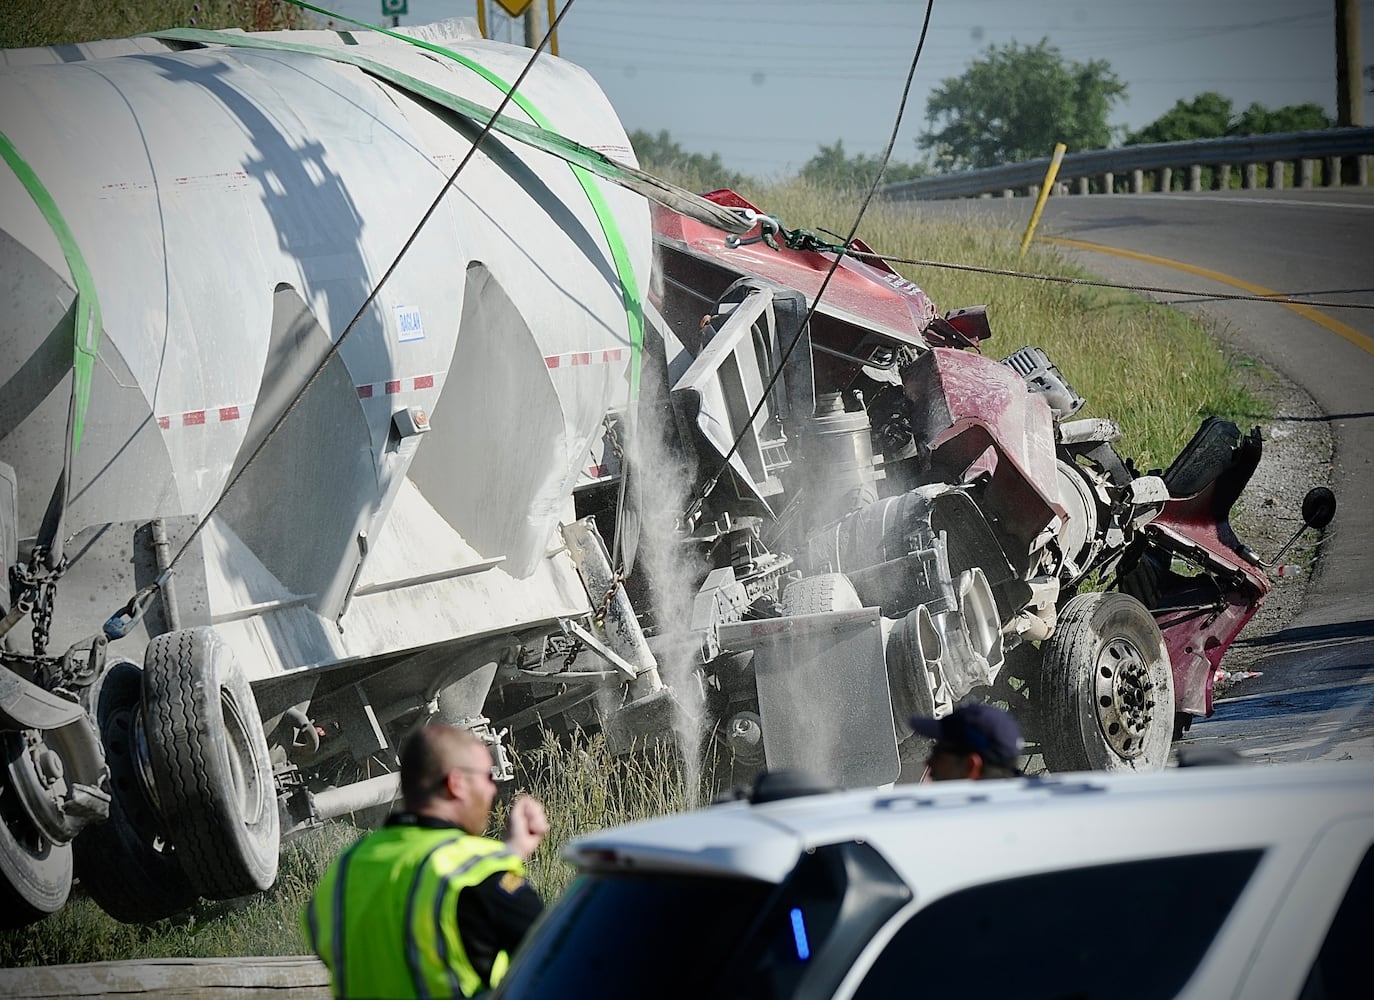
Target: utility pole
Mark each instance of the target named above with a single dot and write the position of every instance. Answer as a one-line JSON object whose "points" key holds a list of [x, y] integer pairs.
{"points": [[1349, 79], [534, 30]]}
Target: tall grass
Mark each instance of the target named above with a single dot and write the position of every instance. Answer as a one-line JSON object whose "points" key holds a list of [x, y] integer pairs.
{"points": [[264, 924], [1154, 370], [26, 23], [582, 785], [584, 788]]}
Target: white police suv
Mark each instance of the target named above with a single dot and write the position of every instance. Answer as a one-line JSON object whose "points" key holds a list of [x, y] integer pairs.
{"points": [[1200, 882]]}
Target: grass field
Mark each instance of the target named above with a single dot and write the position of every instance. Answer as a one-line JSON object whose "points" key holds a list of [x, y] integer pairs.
{"points": [[582, 786]]}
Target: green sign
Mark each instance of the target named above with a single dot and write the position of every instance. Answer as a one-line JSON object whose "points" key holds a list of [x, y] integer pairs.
{"points": [[393, 8]]}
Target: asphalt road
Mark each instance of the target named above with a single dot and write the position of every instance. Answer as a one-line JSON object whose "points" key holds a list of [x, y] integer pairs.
{"points": [[1315, 698]]}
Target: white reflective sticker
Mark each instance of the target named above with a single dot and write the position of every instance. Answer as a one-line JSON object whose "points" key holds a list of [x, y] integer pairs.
{"points": [[409, 326]]}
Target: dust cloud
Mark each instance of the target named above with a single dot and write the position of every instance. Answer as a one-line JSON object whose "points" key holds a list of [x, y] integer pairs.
{"points": [[663, 476]]}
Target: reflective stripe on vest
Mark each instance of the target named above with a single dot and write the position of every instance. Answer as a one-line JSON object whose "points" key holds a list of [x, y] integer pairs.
{"points": [[384, 918]]}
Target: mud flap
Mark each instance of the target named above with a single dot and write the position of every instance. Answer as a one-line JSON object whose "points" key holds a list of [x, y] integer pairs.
{"points": [[823, 694]]}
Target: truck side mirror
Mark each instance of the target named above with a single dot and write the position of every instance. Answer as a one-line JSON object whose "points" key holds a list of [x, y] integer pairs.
{"points": [[1318, 507]]}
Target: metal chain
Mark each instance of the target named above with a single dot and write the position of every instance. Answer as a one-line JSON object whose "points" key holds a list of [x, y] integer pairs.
{"points": [[35, 589], [605, 608], [42, 616]]}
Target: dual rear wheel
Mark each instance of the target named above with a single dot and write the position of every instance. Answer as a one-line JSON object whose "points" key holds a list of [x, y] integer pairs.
{"points": [[194, 808]]}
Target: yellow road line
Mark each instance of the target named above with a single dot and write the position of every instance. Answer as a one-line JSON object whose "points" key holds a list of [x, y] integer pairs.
{"points": [[1340, 329]]}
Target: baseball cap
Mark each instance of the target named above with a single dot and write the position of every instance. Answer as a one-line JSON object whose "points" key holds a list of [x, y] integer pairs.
{"points": [[976, 728]]}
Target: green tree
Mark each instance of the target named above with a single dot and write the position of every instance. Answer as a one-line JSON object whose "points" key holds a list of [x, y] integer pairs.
{"points": [[1259, 120], [831, 168], [1015, 103], [1210, 116], [1206, 116], [659, 154]]}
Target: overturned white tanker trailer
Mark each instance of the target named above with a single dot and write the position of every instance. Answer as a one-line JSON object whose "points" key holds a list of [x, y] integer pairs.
{"points": [[284, 472], [242, 553]]}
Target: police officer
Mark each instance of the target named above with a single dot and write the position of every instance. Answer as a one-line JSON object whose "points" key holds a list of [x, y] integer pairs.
{"points": [[427, 906], [975, 741]]}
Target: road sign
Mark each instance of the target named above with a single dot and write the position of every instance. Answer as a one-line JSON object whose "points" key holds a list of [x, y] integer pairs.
{"points": [[394, 8], [512, 7]]}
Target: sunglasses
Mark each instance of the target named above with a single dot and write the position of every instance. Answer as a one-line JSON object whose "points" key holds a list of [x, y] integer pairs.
{"points": [[489, 772]]}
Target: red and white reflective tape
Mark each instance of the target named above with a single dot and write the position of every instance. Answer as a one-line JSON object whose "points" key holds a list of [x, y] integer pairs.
{"points": [[395, 385], [196, 418], [223, 414], [578, 358]]}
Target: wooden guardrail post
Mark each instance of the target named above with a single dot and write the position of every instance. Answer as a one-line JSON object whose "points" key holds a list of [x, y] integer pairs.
{"points": [[1331, 174], [1262, 160]]}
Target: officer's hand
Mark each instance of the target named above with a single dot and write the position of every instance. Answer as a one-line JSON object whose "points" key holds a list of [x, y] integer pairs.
{"points": [[526, 825]]}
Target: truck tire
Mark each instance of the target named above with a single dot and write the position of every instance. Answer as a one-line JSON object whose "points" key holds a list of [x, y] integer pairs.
{"points": [[35, 873], [209, 762], [815, 595], [1107, 691], [125, 864]]}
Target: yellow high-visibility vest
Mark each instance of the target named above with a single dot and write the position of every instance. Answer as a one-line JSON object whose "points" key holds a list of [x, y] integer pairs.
{"points": [[384, 918]]}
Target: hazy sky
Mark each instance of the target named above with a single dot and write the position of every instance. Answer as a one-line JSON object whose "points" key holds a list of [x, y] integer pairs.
{"points": [[766, 82]]}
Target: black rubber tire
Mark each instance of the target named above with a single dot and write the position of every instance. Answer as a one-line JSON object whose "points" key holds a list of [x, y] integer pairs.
{"points": [[818, 594], [1105, 646], [210, 764], [35, 874], [126, 864]]}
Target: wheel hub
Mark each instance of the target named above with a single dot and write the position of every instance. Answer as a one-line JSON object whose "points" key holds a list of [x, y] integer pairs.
{"points": [[36, 774], [1124, 697], [131, 772], [248, 786]]}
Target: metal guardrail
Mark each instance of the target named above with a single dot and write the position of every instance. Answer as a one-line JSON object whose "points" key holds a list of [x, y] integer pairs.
{"points": [[1104, 166]]}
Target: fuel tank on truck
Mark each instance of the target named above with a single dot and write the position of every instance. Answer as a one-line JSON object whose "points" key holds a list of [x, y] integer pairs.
{"points": [[250, 219]]}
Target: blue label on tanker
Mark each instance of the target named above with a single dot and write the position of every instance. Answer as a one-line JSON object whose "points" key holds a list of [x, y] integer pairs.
{"points": [[409, 326]]}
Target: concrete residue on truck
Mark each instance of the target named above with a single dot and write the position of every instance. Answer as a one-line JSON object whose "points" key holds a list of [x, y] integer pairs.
{"points": [[262, 511]]}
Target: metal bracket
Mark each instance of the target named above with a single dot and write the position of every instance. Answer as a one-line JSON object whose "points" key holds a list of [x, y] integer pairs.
{"points": [[600, 648]]}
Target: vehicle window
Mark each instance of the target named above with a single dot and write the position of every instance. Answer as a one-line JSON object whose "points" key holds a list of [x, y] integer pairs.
{"points": [[1119, 931], [654, 935], [636, 936], [1342, 966]]}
